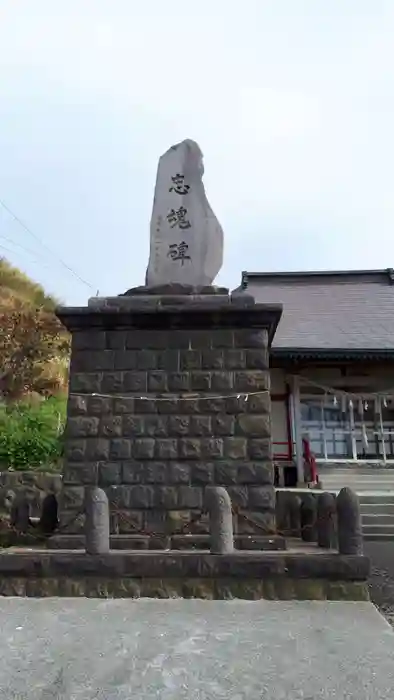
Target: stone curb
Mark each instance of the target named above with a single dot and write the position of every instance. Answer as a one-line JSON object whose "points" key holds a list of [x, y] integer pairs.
{"points": [[239, 565]]}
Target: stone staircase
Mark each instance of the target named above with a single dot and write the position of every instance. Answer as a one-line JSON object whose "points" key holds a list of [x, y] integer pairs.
{"points": [[375, 488]]}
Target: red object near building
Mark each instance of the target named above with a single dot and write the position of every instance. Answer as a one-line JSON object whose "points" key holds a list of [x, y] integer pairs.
{"points": [[310, 462]]}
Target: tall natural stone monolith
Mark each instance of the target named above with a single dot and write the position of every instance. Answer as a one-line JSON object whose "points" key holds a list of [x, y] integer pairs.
{"points": [[186, 239]]}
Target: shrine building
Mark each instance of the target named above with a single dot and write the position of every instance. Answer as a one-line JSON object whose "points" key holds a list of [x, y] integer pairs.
{"points": [[332, 368]]}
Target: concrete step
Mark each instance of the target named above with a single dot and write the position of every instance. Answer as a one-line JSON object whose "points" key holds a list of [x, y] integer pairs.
{"points": [[372, 469], [379, 499], [377, 520], [376, 505], [378, 536], [363, 479], [348, 476], [377, 508], [377, 516], [386, 530], [360, 488], [351, 476], [360, 479]]}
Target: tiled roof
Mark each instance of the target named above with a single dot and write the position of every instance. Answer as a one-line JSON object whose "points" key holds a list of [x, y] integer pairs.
{"points": [[327, 311]]}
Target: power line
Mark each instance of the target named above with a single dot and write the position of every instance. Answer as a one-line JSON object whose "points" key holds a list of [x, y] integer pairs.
{"points": [[7, 250], [17, 252], [19, 245], [44, 245]]}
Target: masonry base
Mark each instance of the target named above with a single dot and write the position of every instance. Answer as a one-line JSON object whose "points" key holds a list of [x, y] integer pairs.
{"points": [[245, 575]]}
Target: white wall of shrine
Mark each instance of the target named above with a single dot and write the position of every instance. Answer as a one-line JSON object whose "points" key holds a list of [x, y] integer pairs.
{"points": [[280, 436]]}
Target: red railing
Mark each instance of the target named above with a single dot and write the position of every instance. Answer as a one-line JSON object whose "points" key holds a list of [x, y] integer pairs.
{"points": [[283, 454]]}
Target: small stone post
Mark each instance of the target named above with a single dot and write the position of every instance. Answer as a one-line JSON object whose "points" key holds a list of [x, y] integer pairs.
{"points": [[96, 521], [282, 512], [325, 520], [350, 537], [49, 519], [308, 518], [20, 514], [293, 505], [218, 505]]}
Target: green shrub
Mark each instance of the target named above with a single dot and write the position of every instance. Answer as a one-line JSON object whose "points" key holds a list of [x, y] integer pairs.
{"points": [[31, 434]]}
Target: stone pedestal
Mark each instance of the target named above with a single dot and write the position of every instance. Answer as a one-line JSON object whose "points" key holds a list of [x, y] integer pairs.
{"points": [[169, 393]]}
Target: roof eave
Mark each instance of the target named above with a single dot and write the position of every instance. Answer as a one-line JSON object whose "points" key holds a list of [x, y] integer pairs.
{"points": [[333, 353], [248, 276]]}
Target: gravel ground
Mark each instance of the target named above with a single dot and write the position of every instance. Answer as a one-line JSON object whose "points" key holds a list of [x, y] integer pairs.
{"points": [[381, 583]]}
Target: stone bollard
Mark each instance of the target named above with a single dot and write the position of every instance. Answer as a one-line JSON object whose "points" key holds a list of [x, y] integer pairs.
{"points": [[292, 504], [350, 536], [49, 519], [218, 504], [20, 514], [282, 512], [308, 518], [96, 521], [325, 520]]}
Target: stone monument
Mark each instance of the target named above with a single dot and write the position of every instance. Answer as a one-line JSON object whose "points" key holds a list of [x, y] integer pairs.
{"points": [[186, 239], [169, 384]]}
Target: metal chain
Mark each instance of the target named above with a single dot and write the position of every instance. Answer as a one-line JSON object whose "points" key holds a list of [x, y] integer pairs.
{"points": [[185, 529], [268, 531], [151, 533], [43, 537]]}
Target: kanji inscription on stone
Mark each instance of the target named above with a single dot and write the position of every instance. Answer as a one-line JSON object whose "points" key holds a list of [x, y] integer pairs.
{"points": [[178, 218], [179, 185], [178, 251]]}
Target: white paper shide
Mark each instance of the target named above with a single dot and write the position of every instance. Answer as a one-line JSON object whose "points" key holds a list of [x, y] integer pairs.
{"points": [[186, 239]]}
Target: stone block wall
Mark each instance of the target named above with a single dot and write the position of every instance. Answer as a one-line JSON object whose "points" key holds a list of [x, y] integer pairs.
{"points": [[169, 419], [33, 485]]}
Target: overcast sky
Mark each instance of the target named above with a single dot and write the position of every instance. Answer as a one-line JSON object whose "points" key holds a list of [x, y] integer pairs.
{"points": [[291, 101]]}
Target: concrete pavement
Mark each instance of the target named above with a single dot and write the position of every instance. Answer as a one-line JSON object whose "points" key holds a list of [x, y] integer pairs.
{"points": [[74, 649]]}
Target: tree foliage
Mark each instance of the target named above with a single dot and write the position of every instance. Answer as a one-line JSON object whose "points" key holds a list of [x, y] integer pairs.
{"points": [[34, 344]]}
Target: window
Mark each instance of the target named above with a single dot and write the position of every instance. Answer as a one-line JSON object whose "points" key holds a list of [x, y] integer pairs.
{"points": [[327, 428], [312, 424], [337, 433], [361, 430]]}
